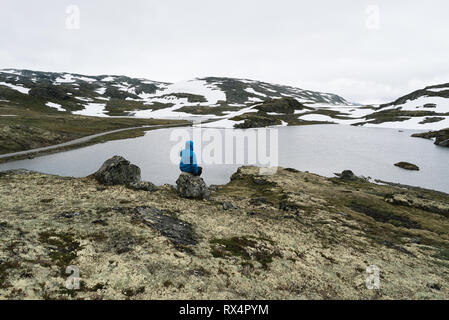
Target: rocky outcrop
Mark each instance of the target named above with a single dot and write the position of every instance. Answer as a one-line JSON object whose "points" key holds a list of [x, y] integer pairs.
{"points": [[117, 170], [441, 137], [257, 121], [283, 105], [192, 187], [407, 166]]}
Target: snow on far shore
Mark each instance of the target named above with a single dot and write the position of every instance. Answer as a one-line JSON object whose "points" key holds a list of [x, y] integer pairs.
{"points": [[221, 124], [438, 89], [14, 87], [197, 87], [93, 109], [412, 124], [441, 104], [101, 91], [251, 90], [67, 78], [108, 79], [55, 106]]}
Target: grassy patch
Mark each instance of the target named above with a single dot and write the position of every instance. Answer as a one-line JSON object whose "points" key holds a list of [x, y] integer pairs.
{"points": [[249, 188], [206, 110], [243, 247], [4, 271], [118, 107], [63, 248], [384, 213], [443, 254], [30, 130]]}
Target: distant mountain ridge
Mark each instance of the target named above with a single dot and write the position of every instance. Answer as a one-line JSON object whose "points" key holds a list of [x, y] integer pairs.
{"points": [[439, 90], [229, 102], [107, 95]]}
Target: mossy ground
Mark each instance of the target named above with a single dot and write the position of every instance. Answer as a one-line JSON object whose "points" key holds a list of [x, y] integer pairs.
{"points": [[291, 235]]}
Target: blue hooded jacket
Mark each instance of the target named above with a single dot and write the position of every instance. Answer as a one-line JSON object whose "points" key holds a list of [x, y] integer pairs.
{"points": [[188, 159]]}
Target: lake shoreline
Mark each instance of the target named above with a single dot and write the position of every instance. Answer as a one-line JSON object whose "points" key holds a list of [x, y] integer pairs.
{"points": [[119, 134], [321, 149]]}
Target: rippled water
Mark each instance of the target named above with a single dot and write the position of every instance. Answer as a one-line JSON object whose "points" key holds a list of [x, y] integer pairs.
{"points": [[321, 149]]}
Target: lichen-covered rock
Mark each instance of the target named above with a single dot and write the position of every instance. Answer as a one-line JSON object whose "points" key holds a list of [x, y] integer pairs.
{"points": [[228, 206], [192, 187], [142, 186], [117, 170]]}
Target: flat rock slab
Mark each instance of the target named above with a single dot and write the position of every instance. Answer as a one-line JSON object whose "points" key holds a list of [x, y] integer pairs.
{"points": [[180, 233]]}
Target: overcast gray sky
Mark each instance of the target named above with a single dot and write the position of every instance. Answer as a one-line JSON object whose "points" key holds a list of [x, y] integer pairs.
{"points": [[327, 45]]}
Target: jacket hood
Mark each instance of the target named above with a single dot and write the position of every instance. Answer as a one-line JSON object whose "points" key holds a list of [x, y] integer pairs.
{"points": [[189, 145]]}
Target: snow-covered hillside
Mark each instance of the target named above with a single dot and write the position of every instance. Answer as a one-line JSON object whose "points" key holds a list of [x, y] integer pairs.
{"points": [[425, 109], [108, 95], [225, 100]]}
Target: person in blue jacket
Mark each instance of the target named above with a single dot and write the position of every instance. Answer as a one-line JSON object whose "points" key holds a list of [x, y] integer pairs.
{"points": [[188, 160]]}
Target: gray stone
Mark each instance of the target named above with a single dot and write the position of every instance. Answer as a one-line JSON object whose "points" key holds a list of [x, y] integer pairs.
{"points": [[228, 206], [192, 187], [142, 186], [116, 171], [70, 214], [346, 175]]}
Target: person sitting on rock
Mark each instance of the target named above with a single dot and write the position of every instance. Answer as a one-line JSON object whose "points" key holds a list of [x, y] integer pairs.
{"points": [[188, 160]]}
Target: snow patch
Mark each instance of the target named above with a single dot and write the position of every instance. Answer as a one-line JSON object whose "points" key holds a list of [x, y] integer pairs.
{"points": [[86, 79], [251, 90], [84, 99], [108, 79], [101, 91], [55, 106], [93, 109], [66, 78], [14, 87], [197, 87], [222, 124]]}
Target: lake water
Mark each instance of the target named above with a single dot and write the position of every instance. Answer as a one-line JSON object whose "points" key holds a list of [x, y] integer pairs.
{"points": [[321, 149]]}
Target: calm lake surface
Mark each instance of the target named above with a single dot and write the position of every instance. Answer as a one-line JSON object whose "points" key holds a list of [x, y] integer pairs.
{"points": [[321, 149]]}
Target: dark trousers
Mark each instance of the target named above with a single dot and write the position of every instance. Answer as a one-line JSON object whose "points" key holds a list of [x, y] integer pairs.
{"points": [[200, 171]]}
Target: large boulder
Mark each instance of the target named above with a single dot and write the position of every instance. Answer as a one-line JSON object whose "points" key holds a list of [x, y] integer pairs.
{"points": [[346, 175], [192, 187], [117, 170]]}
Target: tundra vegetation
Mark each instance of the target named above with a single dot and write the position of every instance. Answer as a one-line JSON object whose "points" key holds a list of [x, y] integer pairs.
{"points": [[292, 235]]}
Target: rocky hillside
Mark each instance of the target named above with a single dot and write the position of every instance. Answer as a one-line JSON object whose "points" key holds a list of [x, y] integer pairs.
{"points": [[124, 96], [228, 102], [292, 235]]}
